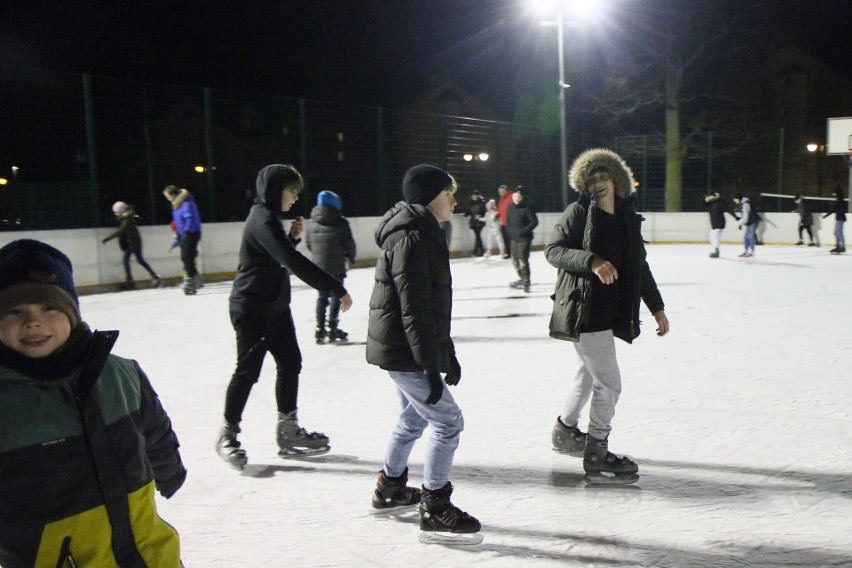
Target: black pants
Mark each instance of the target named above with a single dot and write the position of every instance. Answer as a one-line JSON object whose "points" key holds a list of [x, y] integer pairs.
{"points": [[478, 249], [809, 231], [189, 252], [505, 232], [257, 334], [140, 259], [521, 258]]}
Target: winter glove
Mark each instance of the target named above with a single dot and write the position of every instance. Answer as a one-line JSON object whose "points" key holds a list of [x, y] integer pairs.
{"points": [[453, 377], [175, 243], [169, 487], [436, 387]]}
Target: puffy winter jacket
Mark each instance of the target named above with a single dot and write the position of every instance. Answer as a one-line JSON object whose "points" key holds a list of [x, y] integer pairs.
{"points": [[411, 303], [329, 238], [79, 461], [569, 249]]}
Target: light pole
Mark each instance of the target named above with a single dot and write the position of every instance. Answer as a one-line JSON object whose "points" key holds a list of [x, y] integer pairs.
{"points": [[563, 126]]}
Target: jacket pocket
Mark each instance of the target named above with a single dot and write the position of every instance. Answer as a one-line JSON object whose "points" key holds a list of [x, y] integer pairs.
{"points": [[563, 319]]}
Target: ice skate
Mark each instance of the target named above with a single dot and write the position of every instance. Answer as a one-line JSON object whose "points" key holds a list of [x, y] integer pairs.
{"points": [[197, 281], [188, 287], [799, 242], [295, 441], [604, 467], [812, 244], [392, 494], [320, 334], [443, 522], [516, 284], [157, 281], [568, 440], [228, 447], [128, 285], [335, 334], [527, 287], [715, 253]]}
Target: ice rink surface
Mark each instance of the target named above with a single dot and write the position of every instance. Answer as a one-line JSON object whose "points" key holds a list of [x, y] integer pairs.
{"points": [[739, 420]]}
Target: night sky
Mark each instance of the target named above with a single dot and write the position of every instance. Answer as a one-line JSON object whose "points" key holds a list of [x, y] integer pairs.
{"points": [[372, 52]]}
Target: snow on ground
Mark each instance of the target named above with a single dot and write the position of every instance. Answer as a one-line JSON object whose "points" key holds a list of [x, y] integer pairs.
{"points": [[739, 420]]}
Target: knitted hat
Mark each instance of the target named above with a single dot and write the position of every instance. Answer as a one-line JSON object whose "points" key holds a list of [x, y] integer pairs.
{"points": [[120, 207], [330, 199], [423, 183], [596, 159], [32, 272]]}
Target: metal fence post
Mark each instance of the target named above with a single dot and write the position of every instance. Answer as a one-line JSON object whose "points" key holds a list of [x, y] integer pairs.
{"points": [[91, 150], [382, 157], [303, 140], [709, 162], [210, 155], [781, 160]]}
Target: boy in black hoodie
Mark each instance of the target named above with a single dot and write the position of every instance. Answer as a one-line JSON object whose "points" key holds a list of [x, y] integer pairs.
{"points": [[260, 314]]}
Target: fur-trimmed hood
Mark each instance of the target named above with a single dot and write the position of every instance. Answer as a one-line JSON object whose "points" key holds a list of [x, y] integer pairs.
{"points": [[590, 160]]}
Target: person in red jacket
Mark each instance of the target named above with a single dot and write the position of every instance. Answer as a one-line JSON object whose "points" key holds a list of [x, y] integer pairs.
{"points": [[502, 204]]}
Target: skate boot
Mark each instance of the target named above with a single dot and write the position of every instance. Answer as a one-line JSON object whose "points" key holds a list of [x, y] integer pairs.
{"points": [[320, 334], [188, 287], [800, 242], [294, 440], [127, 285], [228, 447], [335, 334], [604, 467], [197, 281], [157, 281], [516, 284], [568, 440], [391, 493], [527, 286], [715, 253], [438, 517]]}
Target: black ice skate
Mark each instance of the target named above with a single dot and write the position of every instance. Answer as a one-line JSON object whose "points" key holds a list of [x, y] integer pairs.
{"points": [[295, 441], [320, 334], [568, 440], [229, 448], [604, 467], [335, 334], [715, 253], [392, 494], [439, 515], [188, 287]]}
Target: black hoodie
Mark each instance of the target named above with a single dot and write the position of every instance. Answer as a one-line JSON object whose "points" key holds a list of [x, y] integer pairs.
{"points": [[268, 255]]}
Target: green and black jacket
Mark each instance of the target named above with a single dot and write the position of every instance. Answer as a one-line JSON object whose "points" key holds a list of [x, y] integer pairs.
{"points": [[79, 461]]}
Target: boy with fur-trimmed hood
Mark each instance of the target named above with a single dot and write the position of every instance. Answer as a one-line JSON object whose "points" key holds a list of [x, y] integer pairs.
{"points": [[597, 247], [84, 440]]}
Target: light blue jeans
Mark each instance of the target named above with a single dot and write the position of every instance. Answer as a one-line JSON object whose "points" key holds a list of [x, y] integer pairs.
{"points": [[750, 237], [447, 423], [838, 234]]}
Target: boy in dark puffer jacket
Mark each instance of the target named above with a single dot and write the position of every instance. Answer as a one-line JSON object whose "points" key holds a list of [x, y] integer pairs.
{"points": [[329, 238], [409, 336], [84, 440]]}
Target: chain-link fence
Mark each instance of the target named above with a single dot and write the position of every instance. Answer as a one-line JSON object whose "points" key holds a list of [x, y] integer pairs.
{"points": [[71, 145]]}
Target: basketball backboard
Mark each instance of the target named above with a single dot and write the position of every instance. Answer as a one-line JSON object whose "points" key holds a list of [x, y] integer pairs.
{"points": [[839, 136]]}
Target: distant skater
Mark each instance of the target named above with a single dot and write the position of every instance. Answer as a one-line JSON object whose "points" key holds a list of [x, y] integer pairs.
{"points": [[130, 242], [838, 209], [805, 220]]}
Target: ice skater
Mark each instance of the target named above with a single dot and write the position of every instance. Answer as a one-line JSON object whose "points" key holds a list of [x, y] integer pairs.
{"points": [[409, 336], [84, 440], [130, 243], [838, 209], [329, 238], [597, 247], [749, 219], [716, 208], [261, 317], [187, 227], [806, 220]]}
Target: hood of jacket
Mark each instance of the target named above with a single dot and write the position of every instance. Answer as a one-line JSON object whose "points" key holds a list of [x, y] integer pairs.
{"points": [[269, 185], [406, 216], [590, 160], [324, 215]]}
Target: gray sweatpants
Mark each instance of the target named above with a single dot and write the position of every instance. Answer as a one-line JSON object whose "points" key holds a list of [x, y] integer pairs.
{"points": [[597, 377]]}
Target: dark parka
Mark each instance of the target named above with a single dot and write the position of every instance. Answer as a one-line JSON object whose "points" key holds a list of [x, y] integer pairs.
{"points": [[716, 208], [128, 232], [569, 249], [329, 238], [79, 460], [411, 304], [521, 220], [268, 255]]}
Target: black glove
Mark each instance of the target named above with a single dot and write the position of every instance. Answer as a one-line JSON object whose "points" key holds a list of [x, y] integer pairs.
{"points": [[436, 387], [453, 376]]}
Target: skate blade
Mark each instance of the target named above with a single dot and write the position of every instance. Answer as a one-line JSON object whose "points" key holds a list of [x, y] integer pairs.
{"points": [[448, 538], [237, 463], [573, 453], [602, 478], [392, 510], [295, 453]]}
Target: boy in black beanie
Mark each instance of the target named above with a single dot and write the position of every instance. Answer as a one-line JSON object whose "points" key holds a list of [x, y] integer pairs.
{"points": [[408, 335], [84, 440]]}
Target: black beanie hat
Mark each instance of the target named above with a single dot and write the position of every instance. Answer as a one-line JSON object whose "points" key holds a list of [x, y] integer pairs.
{"points": [[33, 272], [423, 183]]}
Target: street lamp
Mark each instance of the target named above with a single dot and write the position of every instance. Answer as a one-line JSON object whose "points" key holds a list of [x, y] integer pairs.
{"points": [[581, 8]]}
